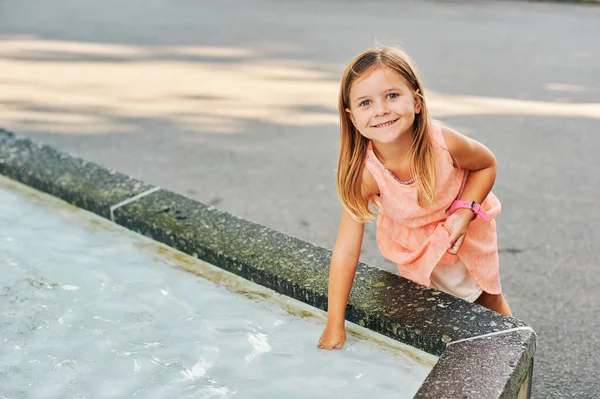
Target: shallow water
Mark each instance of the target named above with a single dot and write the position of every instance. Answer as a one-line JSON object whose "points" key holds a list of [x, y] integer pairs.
{"points": [[91, 310]]}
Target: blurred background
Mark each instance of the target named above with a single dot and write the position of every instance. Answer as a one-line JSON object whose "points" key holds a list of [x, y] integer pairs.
{"points": [[233, 103]]}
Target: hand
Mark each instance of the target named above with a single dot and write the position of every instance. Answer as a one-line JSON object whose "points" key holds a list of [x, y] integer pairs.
{"points": [[332, 338], [457, 225]]}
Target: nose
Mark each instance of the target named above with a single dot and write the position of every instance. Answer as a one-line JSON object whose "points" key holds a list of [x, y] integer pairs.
{"points": [[381, 108]]}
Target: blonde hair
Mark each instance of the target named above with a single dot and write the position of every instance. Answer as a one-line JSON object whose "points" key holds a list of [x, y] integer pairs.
{"points": [[353, 145]]}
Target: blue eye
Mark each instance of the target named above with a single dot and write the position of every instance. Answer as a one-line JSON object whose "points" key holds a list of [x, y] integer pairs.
{"points": [[364, 103], [392, 96]]}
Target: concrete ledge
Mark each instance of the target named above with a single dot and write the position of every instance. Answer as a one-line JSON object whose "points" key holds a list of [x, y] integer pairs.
{"points": [[500, 363], [74, 180], [493, 366]]}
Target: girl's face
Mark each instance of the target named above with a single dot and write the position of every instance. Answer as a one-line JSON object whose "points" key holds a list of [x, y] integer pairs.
{"points": [[382, 106]]}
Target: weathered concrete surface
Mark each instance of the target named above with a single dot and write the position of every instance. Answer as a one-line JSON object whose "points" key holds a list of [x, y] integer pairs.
{"points": [[498, 355], [84, 184]]}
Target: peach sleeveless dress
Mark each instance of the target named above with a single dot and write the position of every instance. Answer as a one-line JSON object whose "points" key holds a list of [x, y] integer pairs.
{"points": [[414, 237]]}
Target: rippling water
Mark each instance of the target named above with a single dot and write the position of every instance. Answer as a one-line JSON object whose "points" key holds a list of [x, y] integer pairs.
{"points": [[91, 310]]}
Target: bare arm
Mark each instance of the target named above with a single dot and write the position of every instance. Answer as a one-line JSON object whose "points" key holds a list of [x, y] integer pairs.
{"points": [[346, 254], [343, 268], [481, 163], [478, 159]]}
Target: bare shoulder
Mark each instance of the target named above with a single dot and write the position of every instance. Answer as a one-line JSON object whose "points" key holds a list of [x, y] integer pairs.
{"points": [[369, 185], [467, 152], [454, 140]]}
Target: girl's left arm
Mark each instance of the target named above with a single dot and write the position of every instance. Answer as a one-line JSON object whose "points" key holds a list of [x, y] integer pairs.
{"points": [[477, 158], [481, 163]]}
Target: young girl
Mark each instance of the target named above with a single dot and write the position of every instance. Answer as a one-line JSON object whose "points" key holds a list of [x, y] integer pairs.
{"points": [[430, 185]]}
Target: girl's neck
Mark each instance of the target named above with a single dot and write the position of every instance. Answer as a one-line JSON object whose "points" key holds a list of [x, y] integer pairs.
{"points": [[390, 153]]}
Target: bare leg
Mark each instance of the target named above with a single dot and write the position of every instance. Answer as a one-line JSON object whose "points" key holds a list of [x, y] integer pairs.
{"points": [[497, 303]]}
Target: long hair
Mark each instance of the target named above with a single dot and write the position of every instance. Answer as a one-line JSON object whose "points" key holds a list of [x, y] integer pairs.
{"points": [[353, 145]]}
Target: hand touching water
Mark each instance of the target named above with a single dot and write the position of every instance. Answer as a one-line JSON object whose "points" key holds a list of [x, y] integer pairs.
{"points": [[457, 225], [333, 337]]}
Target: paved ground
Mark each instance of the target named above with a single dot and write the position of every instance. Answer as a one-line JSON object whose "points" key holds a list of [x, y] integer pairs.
{"points": [[233, 103]]}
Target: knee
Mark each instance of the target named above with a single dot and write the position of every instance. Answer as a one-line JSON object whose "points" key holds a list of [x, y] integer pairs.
{"points": [[486, 299], [497, 303]]}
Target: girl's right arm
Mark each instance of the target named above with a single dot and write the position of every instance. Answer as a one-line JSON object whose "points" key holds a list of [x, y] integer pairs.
{"points": [[346, 254], [341, 275]]}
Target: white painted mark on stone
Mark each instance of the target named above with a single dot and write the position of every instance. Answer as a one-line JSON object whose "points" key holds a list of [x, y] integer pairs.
{"points": [[492, 334], [130, 200]]}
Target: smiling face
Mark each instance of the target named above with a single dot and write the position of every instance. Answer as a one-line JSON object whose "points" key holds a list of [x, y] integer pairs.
{"points": [[382, 106]]}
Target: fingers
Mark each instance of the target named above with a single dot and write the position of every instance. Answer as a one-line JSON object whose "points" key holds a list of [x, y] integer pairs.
{"points": [[330, 345], [452, 238], [453, 235], [455, 244]]}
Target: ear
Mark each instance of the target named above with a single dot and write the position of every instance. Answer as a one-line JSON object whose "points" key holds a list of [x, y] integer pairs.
{"points": [[418, 102], [351, 116]]}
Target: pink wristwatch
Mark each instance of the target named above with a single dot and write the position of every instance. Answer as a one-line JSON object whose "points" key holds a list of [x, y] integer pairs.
{"points": [[474, 206]]}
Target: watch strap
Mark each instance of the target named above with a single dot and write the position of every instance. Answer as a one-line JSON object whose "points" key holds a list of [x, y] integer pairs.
{"points": [[474, 206]]}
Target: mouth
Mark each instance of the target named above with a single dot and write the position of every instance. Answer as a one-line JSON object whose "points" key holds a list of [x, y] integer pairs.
{"points": [[384, 124]]}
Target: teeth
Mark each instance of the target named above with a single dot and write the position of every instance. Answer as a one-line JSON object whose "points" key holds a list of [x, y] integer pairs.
{"points": [[385, 124]]}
